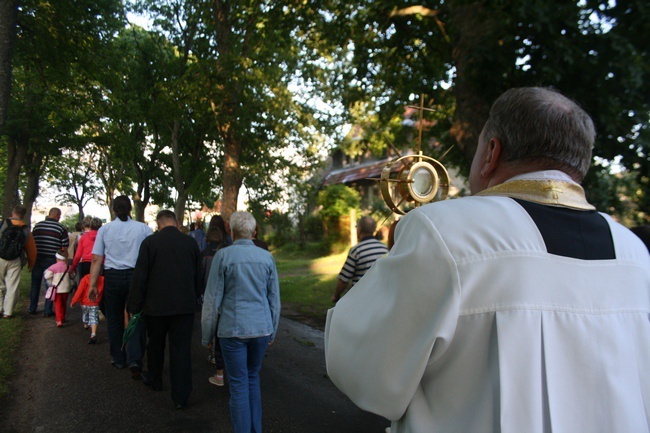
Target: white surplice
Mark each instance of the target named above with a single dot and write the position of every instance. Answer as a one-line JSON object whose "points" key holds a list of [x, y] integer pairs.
{"points": [[469, 325]]}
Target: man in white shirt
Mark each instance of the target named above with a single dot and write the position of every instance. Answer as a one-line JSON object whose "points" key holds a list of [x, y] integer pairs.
{"points": [[116, 248], [520, 309]]}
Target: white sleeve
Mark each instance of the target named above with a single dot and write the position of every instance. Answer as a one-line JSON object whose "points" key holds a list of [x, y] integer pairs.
{"points": [[396, 320], [48, 275]]}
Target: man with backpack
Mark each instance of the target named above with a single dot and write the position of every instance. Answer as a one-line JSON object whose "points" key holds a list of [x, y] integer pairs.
{"points": [[17, 247]]}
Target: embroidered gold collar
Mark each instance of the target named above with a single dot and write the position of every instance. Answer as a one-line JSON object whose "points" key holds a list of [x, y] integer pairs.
{"points": [[547, 192]]}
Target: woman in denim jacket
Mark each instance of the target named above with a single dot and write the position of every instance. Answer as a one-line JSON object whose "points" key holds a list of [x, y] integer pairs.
{"points": [[243, 295]]}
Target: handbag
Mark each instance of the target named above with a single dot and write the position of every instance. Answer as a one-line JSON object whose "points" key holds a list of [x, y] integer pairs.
{"points": [[50, 293]]}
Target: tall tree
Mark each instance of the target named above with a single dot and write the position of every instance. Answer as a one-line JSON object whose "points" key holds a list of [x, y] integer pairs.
{"points": [[53, 60], [246, 55], [464, 53], [72, 173], [8, 15]]}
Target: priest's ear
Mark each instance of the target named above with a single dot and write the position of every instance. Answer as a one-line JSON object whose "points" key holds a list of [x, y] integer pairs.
{"points": [[491, 158]]}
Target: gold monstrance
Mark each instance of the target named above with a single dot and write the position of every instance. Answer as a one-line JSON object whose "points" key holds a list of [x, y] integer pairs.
{"points": [[413, 179]]}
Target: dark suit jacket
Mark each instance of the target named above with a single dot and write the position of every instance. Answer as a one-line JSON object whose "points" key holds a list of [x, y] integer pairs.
{"points": [[167, 276]]}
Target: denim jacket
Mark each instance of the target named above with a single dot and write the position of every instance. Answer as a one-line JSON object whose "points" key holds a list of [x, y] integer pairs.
{"points": [[242, 294]]}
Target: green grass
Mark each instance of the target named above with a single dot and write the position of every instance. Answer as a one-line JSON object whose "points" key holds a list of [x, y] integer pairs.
{"points": [[307, 281], [10, 330]]}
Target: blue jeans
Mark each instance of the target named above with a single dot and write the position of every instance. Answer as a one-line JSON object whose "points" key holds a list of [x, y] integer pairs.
{"points": [[40, 266], [116, 291], [243, 359]]}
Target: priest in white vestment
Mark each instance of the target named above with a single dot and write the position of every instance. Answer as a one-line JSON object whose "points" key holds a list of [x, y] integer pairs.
{"points": [[520, 309]]}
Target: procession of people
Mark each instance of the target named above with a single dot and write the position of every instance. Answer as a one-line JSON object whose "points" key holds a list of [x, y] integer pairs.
{"points": [[518, 308]]}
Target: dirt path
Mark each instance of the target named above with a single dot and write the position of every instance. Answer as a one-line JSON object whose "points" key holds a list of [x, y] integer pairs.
{"points": [[65, 385]]}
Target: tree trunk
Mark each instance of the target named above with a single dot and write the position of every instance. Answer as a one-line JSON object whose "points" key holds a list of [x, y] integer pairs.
{"points": [[16, 154], [82, 214], [139, 207], [8, 16], [141, 198], [473, 25], [179, 182], [232, 177], [33, 168], [224, 106]]}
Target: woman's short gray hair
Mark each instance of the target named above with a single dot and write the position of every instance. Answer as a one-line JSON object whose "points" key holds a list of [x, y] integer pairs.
{"points": [[540, 126], [243, 224]]}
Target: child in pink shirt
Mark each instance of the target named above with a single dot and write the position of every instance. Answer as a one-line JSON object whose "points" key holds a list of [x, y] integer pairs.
{"points": [[58, 275]]}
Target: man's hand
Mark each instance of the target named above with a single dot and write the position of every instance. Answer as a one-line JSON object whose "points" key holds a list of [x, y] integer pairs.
{"points": [[92, 293], [338, 291]]}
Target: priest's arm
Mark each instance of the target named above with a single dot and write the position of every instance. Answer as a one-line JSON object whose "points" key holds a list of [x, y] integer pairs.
{"points": [[396, 320]]}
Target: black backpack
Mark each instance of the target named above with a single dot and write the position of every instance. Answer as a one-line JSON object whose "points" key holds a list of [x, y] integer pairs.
{"points": [[12, 241]]}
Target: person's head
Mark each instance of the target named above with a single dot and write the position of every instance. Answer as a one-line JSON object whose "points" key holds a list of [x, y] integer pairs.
{"points": [[61, 255], [366, 226], [85, 223], [531, 129], [122, 207], [54, 213], [19, 211], [95, 223], [192, 227], [242, 225], [214, 235], [217, 221], [166, 218], [79, 226]]}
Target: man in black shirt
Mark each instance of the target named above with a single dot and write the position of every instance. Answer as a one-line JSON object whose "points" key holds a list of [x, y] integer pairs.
{"points": [[165, 287]]}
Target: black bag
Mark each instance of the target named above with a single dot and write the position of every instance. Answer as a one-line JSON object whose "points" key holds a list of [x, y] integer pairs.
{"points": [[12, 241]]}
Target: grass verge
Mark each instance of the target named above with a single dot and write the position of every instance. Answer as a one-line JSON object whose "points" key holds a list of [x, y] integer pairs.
{"points": [[10, 331], [307, 283]]}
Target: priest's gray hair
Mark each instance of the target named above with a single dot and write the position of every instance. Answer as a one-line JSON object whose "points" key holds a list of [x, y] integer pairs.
{"points": [[243, 225], [540, 127]]}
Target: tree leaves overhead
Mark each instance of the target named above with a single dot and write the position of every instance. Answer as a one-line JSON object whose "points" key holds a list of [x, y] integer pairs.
{"points": [[594, 51], [222, 93]]}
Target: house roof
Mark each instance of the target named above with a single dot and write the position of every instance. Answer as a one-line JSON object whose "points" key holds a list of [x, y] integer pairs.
{"points": [[358, 172]]}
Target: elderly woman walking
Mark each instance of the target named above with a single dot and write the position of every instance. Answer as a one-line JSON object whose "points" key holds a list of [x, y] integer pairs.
{"points": [[243, 295]]}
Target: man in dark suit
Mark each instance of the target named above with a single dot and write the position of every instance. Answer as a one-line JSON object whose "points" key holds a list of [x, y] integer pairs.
{"points": [[165, 287]]}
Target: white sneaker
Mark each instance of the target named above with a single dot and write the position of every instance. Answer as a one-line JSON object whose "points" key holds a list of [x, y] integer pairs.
{"points": [[217, 380], [387, 429]]}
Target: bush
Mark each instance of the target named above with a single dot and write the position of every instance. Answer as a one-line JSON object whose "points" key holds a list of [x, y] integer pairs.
{"points": [[313, 228], [336, 202], [70, 221]]}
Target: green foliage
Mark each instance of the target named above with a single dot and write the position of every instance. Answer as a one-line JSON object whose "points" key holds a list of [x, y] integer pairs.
{"points": [[220, 93], [336, 201], [282, 228], [69, 221], [617, 194], [462, 54], [313, 228]]}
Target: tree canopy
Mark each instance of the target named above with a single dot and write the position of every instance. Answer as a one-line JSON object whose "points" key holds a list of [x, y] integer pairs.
{"points": [[215, 95]]}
